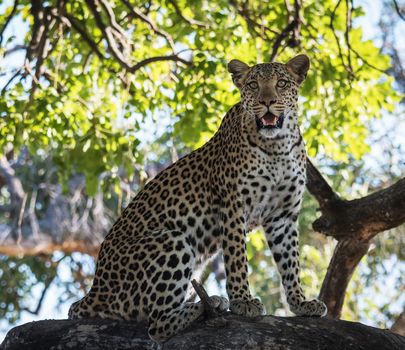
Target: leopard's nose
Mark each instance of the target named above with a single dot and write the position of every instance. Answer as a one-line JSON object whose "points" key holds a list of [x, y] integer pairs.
{"points": [[267, 102]]}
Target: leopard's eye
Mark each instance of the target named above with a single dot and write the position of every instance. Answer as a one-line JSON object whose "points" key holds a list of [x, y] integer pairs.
{"points": [[282, 83], [253, 85]]}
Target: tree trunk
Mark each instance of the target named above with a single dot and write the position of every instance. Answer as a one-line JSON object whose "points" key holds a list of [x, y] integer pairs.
{"points": [[223, 332]]}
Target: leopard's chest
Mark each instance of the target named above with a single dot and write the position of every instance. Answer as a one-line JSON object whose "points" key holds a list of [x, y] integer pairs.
{"points": [[271, 189]]}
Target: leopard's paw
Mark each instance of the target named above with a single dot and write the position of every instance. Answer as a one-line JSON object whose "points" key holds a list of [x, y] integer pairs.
{"points": [[249, 308], [219, 303], [315, 308]]}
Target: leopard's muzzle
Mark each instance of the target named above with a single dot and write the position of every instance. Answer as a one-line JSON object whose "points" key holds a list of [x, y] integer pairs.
{"points": [[270, 121]]}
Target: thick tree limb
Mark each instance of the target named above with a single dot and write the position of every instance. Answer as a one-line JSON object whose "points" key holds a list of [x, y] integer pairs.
{"points": [[346, 257], [37, 12], [318, 187], [226, 332], [353, 223], [361, 218]]}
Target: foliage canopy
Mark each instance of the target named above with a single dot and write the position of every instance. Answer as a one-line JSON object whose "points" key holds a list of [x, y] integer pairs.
{"points": [[94, 77]]}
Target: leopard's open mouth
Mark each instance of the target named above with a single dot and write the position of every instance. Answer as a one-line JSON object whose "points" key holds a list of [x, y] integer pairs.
{"points": [[270, 121]]}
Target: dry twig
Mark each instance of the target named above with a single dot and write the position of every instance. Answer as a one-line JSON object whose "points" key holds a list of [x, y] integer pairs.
{"points": [[205, 299]]}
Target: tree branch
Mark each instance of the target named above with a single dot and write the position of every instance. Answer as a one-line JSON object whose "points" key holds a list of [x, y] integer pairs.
{"points": [[146, 61], [37, 28], [47, 284], [293, 26], [353, 223], [8, 19], [138, 14], [346, 256], [399, 12], [365, 217], [14, 76], [318, 187], [332, 27], [113, 22], [32, 216], [399, 325], [17, 195], [257, 28], [366, 62], [349, 8], [15, 49], [92, 44], [44, 247], [190, 21], [42, 51], [114, 48], [109, 36]]}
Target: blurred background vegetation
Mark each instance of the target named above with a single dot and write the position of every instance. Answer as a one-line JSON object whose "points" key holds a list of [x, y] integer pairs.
{"points": [[98, 96]]}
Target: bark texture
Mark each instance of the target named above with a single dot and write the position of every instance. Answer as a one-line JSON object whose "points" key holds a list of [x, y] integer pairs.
{"points": [[223, 332], [361, 218]]}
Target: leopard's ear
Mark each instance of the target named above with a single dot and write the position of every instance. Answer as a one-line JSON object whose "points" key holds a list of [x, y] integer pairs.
{"points": [[239, 70], [298, 66]]}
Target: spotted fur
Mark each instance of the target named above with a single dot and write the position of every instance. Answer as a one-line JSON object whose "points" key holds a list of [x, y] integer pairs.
{"points": [[251, 173]]}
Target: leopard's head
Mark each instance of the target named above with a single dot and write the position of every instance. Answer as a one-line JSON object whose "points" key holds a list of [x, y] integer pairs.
{"points": [[269, 91]]}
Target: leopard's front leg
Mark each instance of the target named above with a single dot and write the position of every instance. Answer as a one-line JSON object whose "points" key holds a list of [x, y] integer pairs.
{"points": [[237, 284], [282, 237]]}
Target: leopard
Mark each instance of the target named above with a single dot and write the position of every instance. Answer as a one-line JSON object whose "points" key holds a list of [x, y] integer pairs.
{"points": [[251, 173]]}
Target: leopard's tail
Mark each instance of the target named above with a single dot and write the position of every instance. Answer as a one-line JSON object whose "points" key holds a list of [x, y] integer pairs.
{"points": [[82, 309], [74, 312]]}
